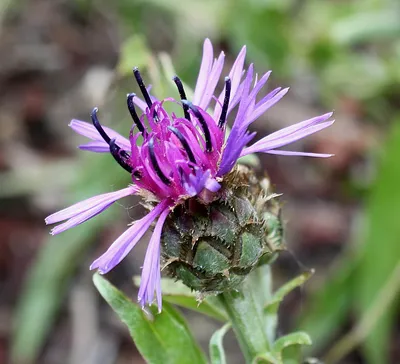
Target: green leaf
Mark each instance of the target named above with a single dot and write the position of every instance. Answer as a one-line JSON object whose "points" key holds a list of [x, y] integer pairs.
{"points": [[381, 251], [165, 338], [203, 307], [288, 348], [265, 358], [292, 354], [177, 293], [272, 306], [217, 353], [295, 338]]}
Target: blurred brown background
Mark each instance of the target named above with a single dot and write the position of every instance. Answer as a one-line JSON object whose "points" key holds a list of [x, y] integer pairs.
{"points": [[61, 58]]}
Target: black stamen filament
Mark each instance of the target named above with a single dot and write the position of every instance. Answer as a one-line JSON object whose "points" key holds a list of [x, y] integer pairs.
{"points": [[182, 94], [142, 87], [99, 128], [184, 143], [132, 110], [204, 126], [155, 164], [121, 156], [224, 111]]}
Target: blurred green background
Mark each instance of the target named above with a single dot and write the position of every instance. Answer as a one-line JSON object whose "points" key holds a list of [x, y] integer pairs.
{"points": [[61, 58]]}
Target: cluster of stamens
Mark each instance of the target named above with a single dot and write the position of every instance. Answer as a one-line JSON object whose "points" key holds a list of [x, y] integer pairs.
{"points": [[123, 157]]}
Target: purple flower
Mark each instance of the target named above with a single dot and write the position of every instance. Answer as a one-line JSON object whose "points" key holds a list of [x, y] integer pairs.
{"points": [[181, 156]]}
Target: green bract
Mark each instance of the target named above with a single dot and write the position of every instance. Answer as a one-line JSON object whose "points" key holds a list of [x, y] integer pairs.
{"points": [[211, 243]]}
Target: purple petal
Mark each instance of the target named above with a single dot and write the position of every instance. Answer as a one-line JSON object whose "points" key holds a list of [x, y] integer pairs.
{"points": [[267, 143], [244, 101], [96, 147], [212, 185], [194, 183], [235, 75], [151, 277], [261, 109], [124, 244], [89, 131], [299, 126], [212, 81], [205, 68], [237, 132], [140, 103], [302, 154], [79, 219], [85, 210], [233, 152]]}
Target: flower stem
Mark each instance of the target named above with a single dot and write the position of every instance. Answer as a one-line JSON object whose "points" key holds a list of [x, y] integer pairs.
{"points": [[245, 309]]}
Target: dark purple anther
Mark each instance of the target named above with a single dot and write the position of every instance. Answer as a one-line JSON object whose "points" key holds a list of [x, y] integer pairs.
{"points": [[97, 125], [142, 87], [182, 94], [184, 143], [155, 164], [120, 156], [224, 111], [135, 117], [202, 122]]}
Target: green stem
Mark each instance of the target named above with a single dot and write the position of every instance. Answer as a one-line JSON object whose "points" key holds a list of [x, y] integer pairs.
{"points": [[245, 311]]}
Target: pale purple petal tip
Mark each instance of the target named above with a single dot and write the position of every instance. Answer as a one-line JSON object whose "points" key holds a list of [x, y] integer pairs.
{"points": [[85, 210], [212, 185], [124, 244], [151, 276], [299, 154], [89, 131], [96, 147], [205, 69], [272, 141]]}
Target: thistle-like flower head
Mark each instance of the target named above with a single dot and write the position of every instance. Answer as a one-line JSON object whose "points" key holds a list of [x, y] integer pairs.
{"points": [[183, 156]]}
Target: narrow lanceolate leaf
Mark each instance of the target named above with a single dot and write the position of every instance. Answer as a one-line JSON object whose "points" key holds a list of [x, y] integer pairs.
{"points": [[265, 358], [272, 306], [280, 294], [163, 339], [203, 307], [295, 338], [283, 347], [217, 353]]}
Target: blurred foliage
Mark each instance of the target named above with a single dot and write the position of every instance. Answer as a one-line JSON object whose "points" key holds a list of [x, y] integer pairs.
{"points": [[381, 249], [58, 261], [340, 50], [251, 310], [356, 285], [160, 338]]}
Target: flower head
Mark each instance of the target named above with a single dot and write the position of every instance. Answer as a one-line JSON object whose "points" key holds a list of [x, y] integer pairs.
{"points": [[181, 156]]}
